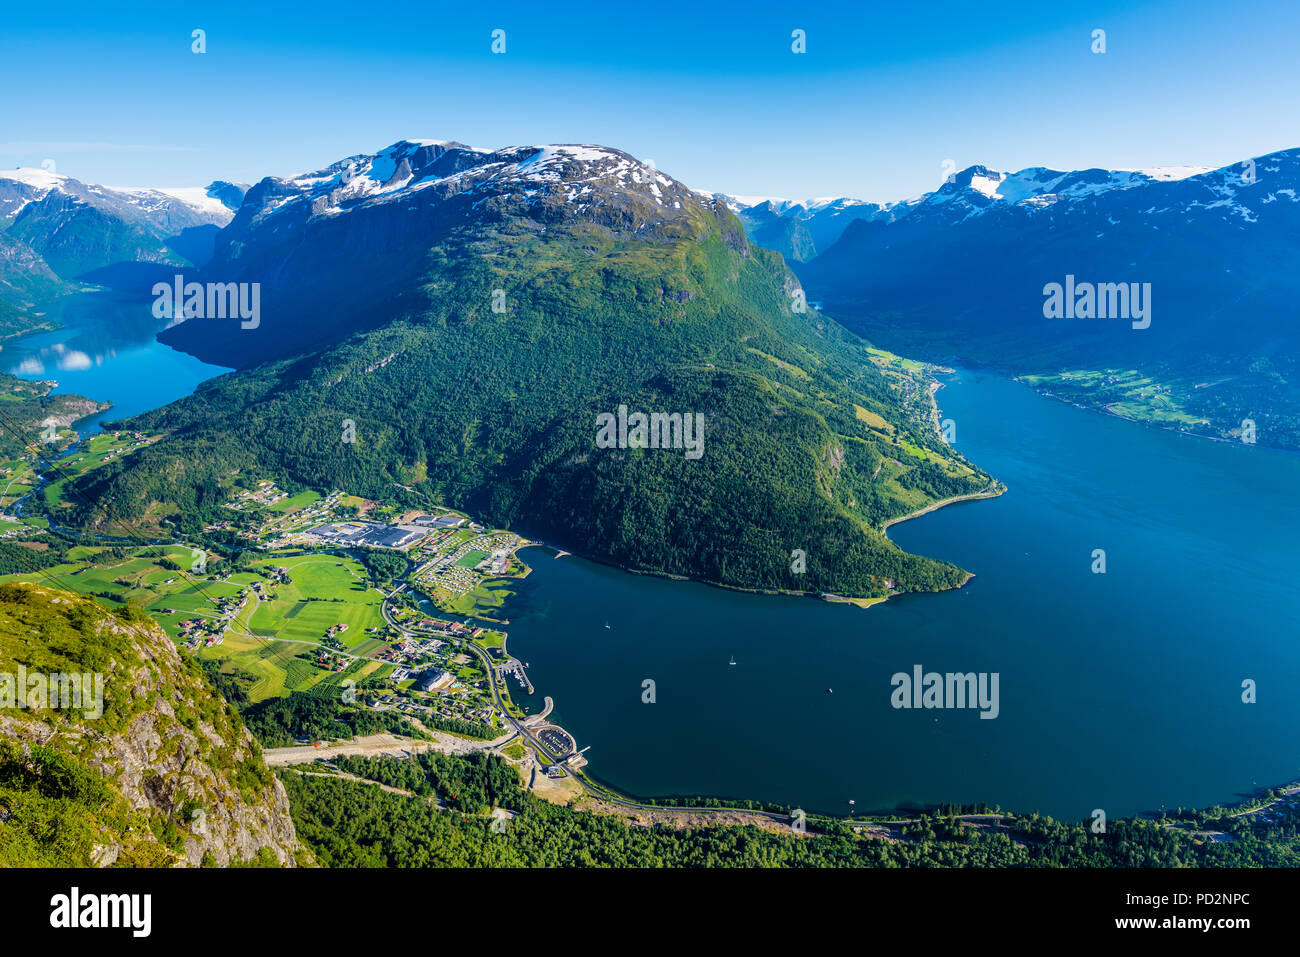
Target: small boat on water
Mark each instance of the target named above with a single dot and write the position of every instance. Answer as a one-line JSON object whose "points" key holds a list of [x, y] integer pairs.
{"points": [[606, 626], [733, 659]]}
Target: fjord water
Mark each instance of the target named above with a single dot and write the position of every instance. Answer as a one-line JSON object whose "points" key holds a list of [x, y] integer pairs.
{"points": [[1120, 691], [106, 351]]}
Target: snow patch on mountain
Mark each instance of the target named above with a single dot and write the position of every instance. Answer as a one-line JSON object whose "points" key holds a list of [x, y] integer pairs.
{"points": [[31, 176], [196, 197], [128, 201], [1167, 173], [987, 184], [408, 167]]}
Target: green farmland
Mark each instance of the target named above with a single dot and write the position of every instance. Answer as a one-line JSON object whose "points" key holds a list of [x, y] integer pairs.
{"points": [[326, 591]]}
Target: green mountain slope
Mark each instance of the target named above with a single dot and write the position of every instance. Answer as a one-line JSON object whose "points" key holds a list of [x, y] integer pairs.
{"points": [[26, 282], [629, 302]]}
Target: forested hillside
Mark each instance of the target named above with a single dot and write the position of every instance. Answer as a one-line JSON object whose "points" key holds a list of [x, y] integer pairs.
{"points": [[351, 824]]}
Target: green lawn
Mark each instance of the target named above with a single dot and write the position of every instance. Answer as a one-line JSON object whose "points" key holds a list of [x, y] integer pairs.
{"points": [[295, 502], [299, 613]]}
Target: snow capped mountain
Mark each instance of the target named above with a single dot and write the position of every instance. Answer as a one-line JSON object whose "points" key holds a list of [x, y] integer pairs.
{"points": [[1237, 191], [964, 272], [1167, 173], [800, 230], [58, 228], [978, 190], [352, 240], [166, 208], [737, 203], [197, 198], [230, 195], [20, 186], [407, 169]]}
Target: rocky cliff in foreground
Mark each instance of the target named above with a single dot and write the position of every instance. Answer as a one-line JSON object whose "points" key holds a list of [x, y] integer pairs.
{"points": [[147, 766]]}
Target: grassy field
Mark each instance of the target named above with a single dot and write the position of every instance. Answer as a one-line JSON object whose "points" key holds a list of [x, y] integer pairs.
{"points": [[283, 667], [278, 647], [888, 359], [295, 502], [491, 639], [19, 482], [296, 618], [949, 465], [470, 559], [1125, 392], [456, 538], [794, 370], [482, 601], [326, 591], [96, 451], [872, 419], [280, 666], [170, 596]]}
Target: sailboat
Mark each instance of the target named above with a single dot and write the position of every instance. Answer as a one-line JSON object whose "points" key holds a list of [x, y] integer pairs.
{"points": [[733, 659], [606, 626]]}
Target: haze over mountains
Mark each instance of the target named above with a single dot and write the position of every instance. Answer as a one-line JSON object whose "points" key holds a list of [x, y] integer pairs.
{"points": [[801, 230], [56, 231], [811, 227], [962, 274]]}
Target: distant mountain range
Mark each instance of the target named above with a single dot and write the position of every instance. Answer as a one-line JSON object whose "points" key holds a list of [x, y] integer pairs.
{"points": [[56, 232], [803, 230], [800, 231], [472, 312], [961, 273]]}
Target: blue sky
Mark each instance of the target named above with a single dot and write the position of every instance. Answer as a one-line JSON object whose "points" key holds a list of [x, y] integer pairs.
{"points": [[711, 92]]}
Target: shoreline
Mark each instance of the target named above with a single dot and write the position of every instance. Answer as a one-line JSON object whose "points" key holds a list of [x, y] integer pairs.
{"points": [[993, 491], [1243, 806], [935, 506], [1102, 409], [919, 350], [861, 601]]}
